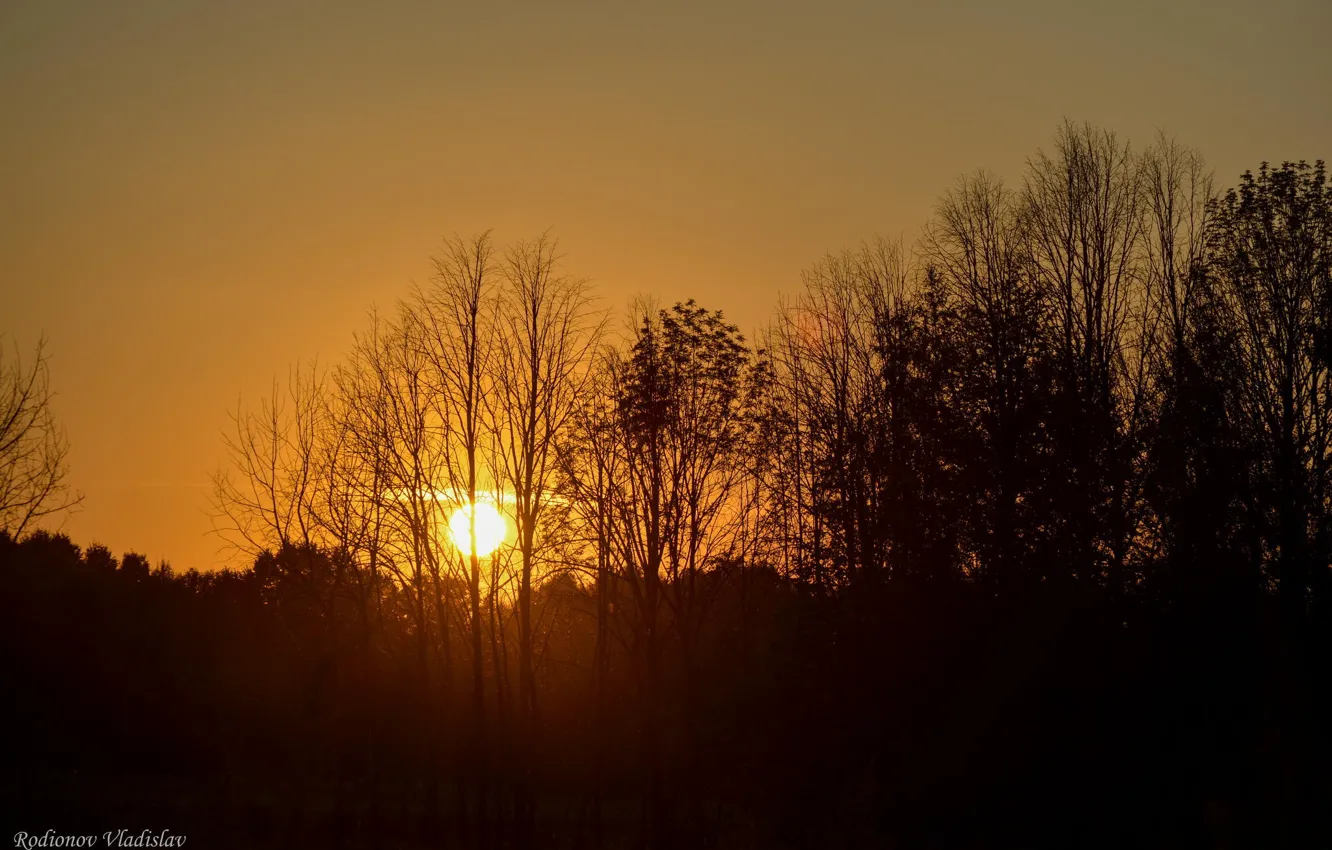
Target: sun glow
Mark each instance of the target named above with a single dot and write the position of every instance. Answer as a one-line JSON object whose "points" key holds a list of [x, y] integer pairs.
{"points": [[489, 528]]}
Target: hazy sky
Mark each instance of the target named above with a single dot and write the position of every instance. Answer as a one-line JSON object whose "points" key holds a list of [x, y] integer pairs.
{"points": [[195, 195]]}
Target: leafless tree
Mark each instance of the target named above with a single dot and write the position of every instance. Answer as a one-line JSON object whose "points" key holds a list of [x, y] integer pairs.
{"points": [[838, 355], [591, 470], [1082, 207], [393, 436], [975, 246], [262, 498], [1178, 191], [455, 321], [34, 450], [546, 337]]}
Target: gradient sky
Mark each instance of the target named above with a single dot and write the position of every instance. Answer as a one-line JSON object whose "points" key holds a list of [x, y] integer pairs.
{"points": [[196, 195]]}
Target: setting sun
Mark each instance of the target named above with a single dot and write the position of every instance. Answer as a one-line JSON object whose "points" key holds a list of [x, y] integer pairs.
{"points": [[489, 529]]}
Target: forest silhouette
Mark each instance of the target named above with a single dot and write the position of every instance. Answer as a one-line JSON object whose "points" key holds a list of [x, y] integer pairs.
{"points": [[1018, 535]]}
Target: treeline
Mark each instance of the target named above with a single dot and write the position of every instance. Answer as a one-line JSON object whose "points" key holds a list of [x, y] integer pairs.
{"points": [[1022, 530]]}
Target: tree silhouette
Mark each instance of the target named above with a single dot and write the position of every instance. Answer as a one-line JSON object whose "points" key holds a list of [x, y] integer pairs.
{"points": [[1270, 262], [33, 447], [976, 247], [1019, 534]]}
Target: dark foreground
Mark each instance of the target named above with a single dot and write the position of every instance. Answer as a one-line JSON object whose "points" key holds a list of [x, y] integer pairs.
{"points": [[186, 703]]}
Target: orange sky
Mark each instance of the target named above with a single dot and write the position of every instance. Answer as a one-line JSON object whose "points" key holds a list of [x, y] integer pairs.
{"points": [[197, 194]]}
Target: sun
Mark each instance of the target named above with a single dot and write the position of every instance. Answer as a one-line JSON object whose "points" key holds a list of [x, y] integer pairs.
{"points": [[489, 528]]}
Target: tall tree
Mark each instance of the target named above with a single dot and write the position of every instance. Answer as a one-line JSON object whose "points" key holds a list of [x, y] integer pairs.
{"points": [[1082, 215], [1197, 463], [975, 245], [455, 318], [546, 337], [386, 391], [827, 367], [591, 468], [682, 402], [679, 425], [1270, 260]]}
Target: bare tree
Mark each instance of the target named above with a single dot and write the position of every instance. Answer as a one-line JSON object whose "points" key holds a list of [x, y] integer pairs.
{"points": [[825, 365], [262, 498], [848, 359], [1197, 460], [546, 337], [1178, 192], [455, 319], [34, 450], [1083, 222], [975, 246], [388, 399], [591, 469]]}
